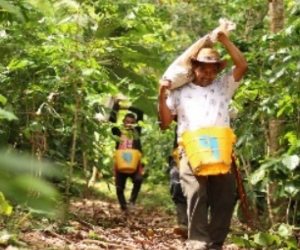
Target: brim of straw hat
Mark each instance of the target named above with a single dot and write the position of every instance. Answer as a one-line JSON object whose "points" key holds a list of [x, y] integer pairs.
{"points": [[222, 63]]}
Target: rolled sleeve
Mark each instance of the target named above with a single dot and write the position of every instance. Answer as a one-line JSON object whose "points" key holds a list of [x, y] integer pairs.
{"points": [[171, 102]]}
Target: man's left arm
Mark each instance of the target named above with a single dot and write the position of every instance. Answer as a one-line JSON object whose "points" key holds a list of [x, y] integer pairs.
{"points": [[113, 117], [236, 55]]}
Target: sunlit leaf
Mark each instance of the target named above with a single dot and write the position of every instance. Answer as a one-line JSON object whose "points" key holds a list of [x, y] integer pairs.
{"points": [[291, 161], [5, 237], [18, 64], [280, 73], [3, 100], [243, 242], [285, 230], [264, 239], [5, 208], [257, 176], [7, 115], [12, 9]]}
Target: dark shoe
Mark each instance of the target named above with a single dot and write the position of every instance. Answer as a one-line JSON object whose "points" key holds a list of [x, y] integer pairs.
{"points": [[181, 210], [215, 247], [123, 208]]}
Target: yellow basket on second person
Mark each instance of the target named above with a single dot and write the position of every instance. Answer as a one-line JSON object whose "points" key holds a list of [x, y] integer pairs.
{"points": [[127, 160], [209, 149]]}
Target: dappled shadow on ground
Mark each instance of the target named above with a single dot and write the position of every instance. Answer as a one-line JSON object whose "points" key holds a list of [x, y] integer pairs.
{"points": [[101, 225]]}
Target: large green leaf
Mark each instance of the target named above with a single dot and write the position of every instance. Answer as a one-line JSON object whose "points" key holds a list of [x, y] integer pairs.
{"points": [[265, 239], [12, 9], [19, 178], [3, 100], [5, 208], [7, 115]]}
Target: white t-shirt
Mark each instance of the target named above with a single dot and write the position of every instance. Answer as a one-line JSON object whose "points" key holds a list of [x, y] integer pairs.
{"points": [[198, 107]]}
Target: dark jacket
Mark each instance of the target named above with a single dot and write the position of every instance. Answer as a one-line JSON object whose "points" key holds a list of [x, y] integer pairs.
{"points": [[137, 130]]}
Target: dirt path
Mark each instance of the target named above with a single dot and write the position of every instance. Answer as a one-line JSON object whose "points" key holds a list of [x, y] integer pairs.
{"points": [[100, 225]]}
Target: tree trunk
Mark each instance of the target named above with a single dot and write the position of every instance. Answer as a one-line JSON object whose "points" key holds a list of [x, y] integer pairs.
{"points": [[276, 12]]}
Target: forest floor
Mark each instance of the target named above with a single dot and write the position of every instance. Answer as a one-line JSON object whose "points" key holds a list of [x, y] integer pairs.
{"points": [[95, 222]]}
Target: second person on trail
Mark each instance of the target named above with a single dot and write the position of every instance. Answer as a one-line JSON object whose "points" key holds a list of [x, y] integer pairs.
{"points": [[176, 192], [129, 139]]}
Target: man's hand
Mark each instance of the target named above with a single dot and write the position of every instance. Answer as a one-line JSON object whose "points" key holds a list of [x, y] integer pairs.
{"points": [[119, 97], [236, 56], [123, 107], [222, 37], [164, 85]]}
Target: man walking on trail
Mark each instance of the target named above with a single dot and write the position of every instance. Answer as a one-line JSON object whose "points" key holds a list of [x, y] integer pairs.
{"points": [[176, 192], [177, 195], [204, 102], [129, 138]]}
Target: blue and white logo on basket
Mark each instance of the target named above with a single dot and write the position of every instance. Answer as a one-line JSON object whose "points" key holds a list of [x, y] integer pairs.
{"points": [[210, 142], [127, 157]]}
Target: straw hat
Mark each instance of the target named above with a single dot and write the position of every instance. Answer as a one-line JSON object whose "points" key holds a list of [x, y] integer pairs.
{"points": [[209, 55]]}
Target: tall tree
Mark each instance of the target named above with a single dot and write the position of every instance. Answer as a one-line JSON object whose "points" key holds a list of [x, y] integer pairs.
{"points": [[276, 12]]}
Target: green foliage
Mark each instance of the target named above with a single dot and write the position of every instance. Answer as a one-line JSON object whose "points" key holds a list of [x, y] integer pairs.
{"points": [[10, 8], [4, 114], [7, 115], [21, 186], [280, 238], [157, 146], [5, 208], [18, 180]]}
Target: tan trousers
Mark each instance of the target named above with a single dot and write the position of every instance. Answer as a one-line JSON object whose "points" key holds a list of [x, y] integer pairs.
{"points": [[210, 200]]}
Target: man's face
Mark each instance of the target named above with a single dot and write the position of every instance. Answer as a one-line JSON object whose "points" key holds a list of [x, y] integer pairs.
{"points": [[206, 73], [128, 122]]}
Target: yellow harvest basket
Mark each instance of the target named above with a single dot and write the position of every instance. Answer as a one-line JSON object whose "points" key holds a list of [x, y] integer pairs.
{"points": [[127, 160], [176, 156], [209, 149]]}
